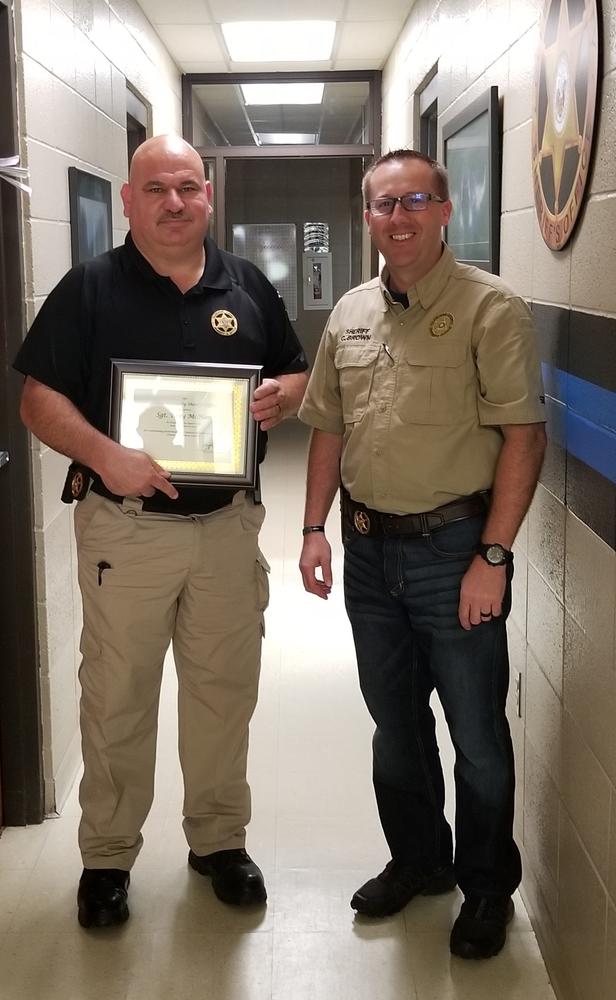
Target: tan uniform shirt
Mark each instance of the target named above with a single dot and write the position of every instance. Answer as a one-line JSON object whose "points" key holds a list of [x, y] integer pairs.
{"points": [[420, 393]]}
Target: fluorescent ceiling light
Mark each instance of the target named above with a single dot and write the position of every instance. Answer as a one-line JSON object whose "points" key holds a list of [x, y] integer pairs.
{"points": [[279, 41], [286, 138], [282, 93]]}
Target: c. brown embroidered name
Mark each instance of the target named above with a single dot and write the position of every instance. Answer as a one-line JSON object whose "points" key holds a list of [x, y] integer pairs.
{"points": [[359, 333]]}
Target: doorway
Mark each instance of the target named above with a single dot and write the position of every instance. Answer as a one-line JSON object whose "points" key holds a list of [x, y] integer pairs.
{"points": [[286, 154], [21, 775], [268, 198]]}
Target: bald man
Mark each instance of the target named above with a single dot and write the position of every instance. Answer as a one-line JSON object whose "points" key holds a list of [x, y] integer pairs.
{"points": [[161, 563]]}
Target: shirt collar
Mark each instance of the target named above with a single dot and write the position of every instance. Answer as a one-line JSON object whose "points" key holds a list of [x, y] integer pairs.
{"points": [[427, 289], [214, 275]]}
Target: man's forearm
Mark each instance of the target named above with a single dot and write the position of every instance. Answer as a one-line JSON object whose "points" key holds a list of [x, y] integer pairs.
{"points": [[517, 472], [323, 478], [57, 422]]}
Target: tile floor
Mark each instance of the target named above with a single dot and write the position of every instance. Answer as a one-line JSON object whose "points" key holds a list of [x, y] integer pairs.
{"points": [[314, 832]]}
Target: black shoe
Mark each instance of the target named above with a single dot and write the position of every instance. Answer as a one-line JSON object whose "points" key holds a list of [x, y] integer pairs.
{"points": [[102, 896], [396, 886], [236, 879], [480, 930]]}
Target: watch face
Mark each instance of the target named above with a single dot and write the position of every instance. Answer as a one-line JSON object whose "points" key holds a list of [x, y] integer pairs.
{"points": [[496, 555]]}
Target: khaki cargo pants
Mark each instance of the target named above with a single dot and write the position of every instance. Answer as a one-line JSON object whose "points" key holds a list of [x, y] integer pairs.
{"points": [[148, 579]]}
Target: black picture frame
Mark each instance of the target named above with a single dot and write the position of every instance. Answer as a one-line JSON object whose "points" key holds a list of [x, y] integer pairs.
{"points": [[472, 155], [90, 214], [205, 406]]}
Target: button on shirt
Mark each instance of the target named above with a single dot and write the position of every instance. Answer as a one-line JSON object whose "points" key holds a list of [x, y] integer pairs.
{"points": [[419, 394]]}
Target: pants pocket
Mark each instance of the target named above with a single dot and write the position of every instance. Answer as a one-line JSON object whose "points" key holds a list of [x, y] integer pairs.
{"points": [[262, 570]]}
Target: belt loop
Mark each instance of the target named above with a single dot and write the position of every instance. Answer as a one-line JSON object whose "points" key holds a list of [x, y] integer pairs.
{"points": [[425, 527], [132, 503]]}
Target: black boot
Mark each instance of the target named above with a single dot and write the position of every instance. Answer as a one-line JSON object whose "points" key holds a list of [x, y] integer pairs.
{"points": [[396, 886], [481, 928], [236, 879], [102, 896]]}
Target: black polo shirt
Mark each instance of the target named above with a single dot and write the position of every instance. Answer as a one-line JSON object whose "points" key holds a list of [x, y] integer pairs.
{"points": [[117, 306]]}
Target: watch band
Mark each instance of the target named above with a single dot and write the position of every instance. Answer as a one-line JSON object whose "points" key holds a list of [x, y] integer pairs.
{"points": [[494, 553], [308, 530]]}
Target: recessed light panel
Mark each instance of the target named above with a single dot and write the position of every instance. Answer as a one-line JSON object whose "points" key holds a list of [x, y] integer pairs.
{"points": [[282, 93], [286, 138], [279, 41]]}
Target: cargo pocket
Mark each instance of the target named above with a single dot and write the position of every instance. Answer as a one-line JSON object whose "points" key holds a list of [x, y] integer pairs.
{"points": [[262, 569], [355, 367], [437, 384]]}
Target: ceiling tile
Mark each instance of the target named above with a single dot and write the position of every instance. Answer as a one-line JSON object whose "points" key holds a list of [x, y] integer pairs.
{"points": [[281, 67], [357, 65], [359, 40], [290, 10], [384, 10], [199, 44], [186, 12], [190, 66]]}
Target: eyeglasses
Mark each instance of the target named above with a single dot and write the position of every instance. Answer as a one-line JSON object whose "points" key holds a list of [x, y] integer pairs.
{"points": [[414, 201]]}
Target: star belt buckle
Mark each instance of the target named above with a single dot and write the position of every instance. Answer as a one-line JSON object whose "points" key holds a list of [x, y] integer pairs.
{"points": [[361, 522], [78, 486]]}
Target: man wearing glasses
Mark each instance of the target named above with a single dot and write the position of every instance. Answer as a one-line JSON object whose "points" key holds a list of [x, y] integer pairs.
{"points": [[426, 408]]}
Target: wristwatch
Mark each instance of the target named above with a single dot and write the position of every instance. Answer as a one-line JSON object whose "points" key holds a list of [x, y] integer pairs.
{"points": [[494, 553]]}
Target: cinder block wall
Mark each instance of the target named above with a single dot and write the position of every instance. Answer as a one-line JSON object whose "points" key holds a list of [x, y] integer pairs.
{"points": [[562, 627], [74, 58]]}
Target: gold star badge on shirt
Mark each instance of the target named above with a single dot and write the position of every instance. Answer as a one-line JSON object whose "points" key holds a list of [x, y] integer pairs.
{"points": [[224, 322]]}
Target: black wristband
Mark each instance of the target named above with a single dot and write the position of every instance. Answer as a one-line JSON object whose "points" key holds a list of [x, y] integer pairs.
{"points": [[313, 527]]}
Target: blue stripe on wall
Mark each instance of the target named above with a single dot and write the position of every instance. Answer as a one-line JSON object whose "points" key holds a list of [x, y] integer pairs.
{"points": [[554, 382], [592, 402], [594, 445], [590, 420]]}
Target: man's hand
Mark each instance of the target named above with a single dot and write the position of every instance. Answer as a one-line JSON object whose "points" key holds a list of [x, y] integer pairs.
{"points": [[268, 404], [316, 552], [128, 472], [481, 593]]}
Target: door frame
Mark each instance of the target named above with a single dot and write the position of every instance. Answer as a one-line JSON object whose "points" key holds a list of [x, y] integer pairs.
{"points": [[21, 765], [369, 151]]}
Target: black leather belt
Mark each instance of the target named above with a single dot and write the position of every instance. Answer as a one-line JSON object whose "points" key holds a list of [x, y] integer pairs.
{"points": [[198, 500], [192, 499], [375, 523]]}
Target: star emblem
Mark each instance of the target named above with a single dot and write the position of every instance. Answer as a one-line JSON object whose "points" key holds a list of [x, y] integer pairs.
{"points": [[78, 485], [224, 322], [563, 120], [562, 123], [361, 522]]}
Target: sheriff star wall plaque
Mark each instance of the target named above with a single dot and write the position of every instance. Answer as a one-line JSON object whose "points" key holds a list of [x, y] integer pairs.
{"points": [[566, 78]]}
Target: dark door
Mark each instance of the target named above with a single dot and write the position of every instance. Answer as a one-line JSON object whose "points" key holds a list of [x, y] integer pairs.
{"points": [[21, 784]]}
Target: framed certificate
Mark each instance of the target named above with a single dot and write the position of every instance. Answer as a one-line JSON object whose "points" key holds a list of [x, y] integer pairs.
{"points": [[191, 418]]}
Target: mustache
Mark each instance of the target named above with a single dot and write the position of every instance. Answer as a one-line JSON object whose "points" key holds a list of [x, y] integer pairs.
{"points": [[180, 216]]}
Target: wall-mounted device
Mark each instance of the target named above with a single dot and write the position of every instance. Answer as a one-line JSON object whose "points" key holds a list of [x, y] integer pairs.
{"points": [[318, 281], [317, 266]]}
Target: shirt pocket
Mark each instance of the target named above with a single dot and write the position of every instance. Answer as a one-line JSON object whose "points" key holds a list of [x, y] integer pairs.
{"points": [[437, 384], [355, 367]]}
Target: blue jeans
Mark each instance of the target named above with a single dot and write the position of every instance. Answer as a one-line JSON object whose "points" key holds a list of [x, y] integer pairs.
{"points": [[402, 597]]}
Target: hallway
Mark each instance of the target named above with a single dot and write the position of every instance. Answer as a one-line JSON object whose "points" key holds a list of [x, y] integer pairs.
{"points": [[315, 833]]}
